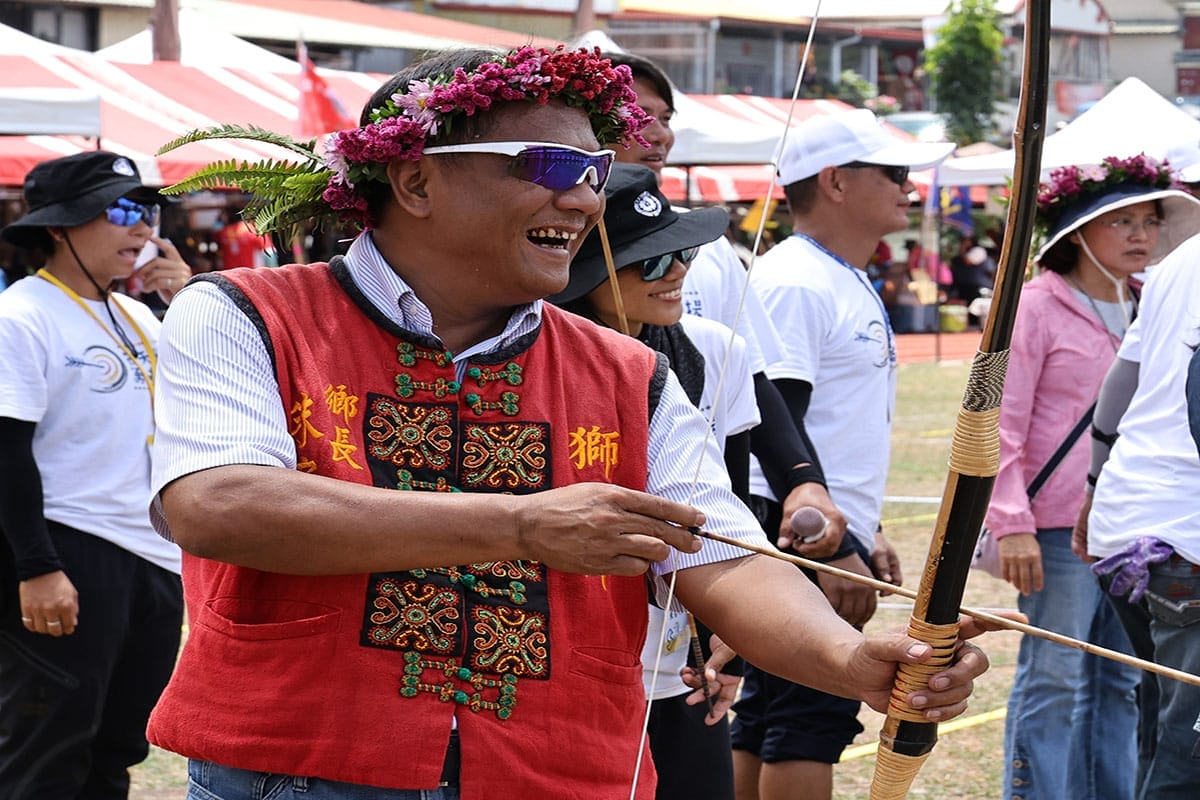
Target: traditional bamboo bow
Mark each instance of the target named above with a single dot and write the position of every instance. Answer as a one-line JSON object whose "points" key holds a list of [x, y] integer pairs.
{"points": [[907, 738]]}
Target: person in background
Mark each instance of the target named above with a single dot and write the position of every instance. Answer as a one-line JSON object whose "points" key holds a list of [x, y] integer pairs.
{"points": [[239, 245], [652, 246], [878, 266], [418, 506], [973, 271], [714, 288], [846, 183], [1072, 717], [90, 597], [1143, 522]]}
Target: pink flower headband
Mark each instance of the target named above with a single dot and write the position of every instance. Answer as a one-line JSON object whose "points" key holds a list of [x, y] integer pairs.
{"points": [[401, 127], [1071, 185], [315, 185]]}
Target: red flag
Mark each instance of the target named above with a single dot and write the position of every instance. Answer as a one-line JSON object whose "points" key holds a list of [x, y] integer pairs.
{"points": [[320, 111]]}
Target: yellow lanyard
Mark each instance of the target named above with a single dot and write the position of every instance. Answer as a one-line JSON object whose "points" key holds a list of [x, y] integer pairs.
{"points": [[137, 362]]}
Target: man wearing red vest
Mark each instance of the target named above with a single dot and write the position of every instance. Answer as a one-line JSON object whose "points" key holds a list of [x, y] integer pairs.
{"points": [[418, 507]]}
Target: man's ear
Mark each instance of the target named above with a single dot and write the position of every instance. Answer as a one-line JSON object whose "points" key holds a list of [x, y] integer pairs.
{"points": [[56, 234], [408, 180], [831, 182]]}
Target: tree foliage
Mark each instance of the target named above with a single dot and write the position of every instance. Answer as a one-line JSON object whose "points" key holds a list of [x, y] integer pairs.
{"points": [[964, 68]]}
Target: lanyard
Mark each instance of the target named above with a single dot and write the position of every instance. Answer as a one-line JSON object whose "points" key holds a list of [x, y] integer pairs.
{"points": [[148, 377], [862, 279]]}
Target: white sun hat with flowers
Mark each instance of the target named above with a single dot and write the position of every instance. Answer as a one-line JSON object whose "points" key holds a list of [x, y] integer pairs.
{"points": [[1075, 195]]}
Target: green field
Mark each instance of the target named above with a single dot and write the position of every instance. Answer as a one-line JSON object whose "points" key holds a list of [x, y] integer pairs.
{"points": [[968, 761]]}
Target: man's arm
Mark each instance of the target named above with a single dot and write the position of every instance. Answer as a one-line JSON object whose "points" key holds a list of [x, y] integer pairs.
{"points": [[1116, 392], [288, 521], [768, 612], [1193, 397]]}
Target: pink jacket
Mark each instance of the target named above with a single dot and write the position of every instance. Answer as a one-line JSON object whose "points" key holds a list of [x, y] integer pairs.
{"points": [[1060, 353]]}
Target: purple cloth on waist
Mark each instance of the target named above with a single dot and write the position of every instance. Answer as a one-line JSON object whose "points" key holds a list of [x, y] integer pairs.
{"points": [[1130, 568]]}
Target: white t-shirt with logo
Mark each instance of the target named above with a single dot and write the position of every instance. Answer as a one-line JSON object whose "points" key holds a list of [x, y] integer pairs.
{"points": [[1149, 484], [91, 405], [836, 337], [713, 289], [736, 413]]}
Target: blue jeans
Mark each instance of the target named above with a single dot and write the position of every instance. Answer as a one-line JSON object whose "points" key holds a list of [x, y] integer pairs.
{"points": [[1071, 730], [208, 781]]}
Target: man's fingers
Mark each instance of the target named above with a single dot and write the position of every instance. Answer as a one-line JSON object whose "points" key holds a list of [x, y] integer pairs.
{"points": [[969, 627], [658, 508], [628, 566]]}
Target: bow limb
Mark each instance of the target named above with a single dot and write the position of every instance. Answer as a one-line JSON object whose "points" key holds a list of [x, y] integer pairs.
{"points": [[907, 739]]}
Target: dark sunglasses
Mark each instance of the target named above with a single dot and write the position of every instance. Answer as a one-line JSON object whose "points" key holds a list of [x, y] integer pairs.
{"points": [[126, 213], [654, 268], [897, 175], [557, 167]]}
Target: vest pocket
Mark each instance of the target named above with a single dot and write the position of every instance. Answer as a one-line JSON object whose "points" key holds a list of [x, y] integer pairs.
{"points": [[607, 664], [258, 620]]}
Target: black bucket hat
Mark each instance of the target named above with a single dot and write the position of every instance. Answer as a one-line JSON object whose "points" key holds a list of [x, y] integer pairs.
{"points": [[74, 190], [641, 224]]}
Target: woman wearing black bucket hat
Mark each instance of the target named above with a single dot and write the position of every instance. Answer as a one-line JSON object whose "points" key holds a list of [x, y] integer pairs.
{"points": [[90, 598], [1070, 728], [651, 246]]}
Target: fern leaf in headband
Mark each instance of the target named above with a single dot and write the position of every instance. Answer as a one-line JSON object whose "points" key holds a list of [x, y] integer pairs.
{"points": [[283, 194], [247, 132]]}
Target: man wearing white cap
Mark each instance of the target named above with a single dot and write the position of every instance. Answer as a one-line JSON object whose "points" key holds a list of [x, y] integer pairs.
{"points": [[846, 182]]}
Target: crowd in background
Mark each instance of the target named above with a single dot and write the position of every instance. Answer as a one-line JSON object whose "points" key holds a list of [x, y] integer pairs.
{"points": [[247, 437]]}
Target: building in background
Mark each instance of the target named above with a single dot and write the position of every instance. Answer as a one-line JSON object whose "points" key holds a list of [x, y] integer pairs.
{"points": [[706, 46]]}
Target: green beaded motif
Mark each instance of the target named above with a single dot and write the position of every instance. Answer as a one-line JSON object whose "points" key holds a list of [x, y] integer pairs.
{"points": [[408, 353], [508, 404], [510, 373], [502, 688]]}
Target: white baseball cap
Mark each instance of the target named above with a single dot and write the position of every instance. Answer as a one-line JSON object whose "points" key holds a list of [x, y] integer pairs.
{"points": [[835, 139]]}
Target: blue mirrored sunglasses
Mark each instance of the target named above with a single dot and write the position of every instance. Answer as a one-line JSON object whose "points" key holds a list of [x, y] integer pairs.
{"points": [[655, 268], [126, 213], [557, 167]]}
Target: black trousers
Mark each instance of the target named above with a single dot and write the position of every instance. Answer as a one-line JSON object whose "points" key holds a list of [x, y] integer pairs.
{"points": [[693, 760], [73, 709]]}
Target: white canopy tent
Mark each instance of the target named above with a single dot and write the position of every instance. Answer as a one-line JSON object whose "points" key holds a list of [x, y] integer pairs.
{"points": [[201, 44], [1130, 119], [30, 110], [53, 112]]}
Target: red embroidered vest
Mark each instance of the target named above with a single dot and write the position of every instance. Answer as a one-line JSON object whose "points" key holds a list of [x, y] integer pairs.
{"points": [[356, 678]]}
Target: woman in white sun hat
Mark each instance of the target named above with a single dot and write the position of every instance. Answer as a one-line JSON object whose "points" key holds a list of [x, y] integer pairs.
{"points": [[1101, 224]]}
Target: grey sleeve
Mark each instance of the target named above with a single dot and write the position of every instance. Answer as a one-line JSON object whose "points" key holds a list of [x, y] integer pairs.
{"points": [[1193, 397], [1115, 394]]}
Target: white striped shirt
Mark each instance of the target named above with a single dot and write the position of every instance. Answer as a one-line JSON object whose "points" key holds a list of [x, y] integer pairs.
{"points": [[218, 402]]}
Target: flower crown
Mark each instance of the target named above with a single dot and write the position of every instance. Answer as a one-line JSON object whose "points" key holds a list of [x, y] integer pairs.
{"points": [[1069, 185], [286, 193]]}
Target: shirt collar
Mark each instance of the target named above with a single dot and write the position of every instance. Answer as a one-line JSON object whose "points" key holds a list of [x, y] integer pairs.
{"points": [[397, 301]]}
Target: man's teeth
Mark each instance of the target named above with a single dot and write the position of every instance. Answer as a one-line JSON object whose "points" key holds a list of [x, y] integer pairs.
{"points": [[674, 294], [552, 235]]}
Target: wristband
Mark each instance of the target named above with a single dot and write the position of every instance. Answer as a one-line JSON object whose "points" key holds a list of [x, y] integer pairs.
{"points": [[1101, 436], [804, 473], [845, 549]]}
